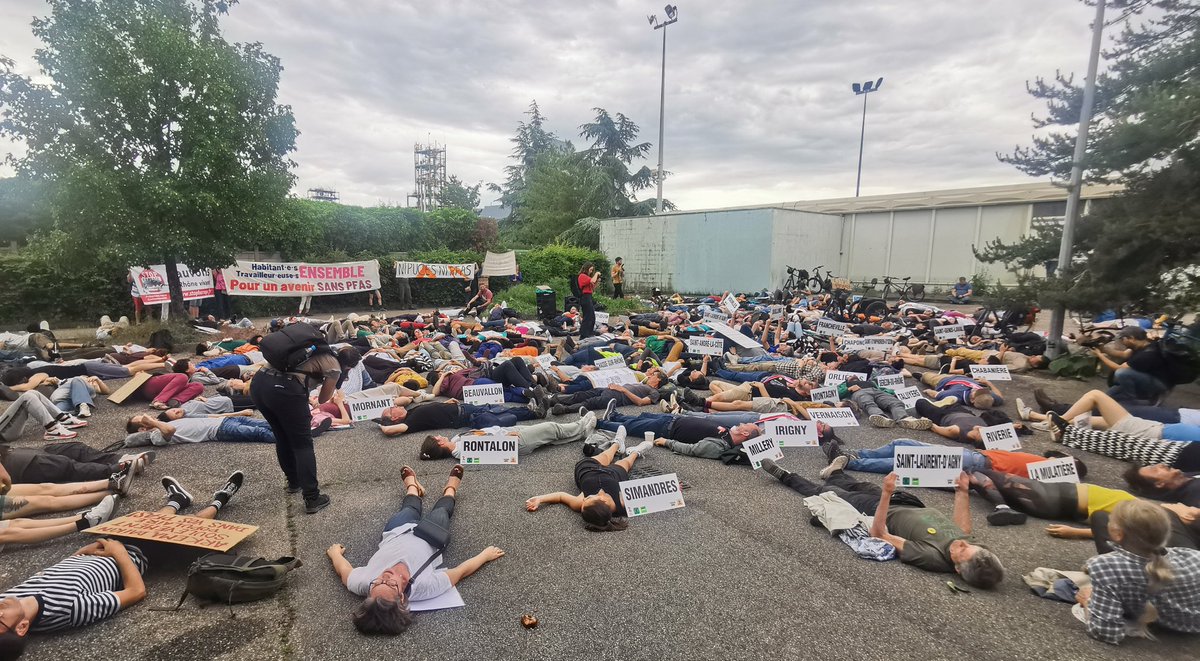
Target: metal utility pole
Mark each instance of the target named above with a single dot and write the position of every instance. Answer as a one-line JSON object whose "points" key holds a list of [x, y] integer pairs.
{"points": [[1059, 316], [863, 90], [672, 16]]}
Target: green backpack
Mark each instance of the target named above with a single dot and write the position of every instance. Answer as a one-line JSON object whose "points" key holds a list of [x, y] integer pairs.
{"points": [[230, 579]]}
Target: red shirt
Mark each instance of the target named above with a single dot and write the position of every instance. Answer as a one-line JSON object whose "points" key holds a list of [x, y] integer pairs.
{"points": [[585, 283]]}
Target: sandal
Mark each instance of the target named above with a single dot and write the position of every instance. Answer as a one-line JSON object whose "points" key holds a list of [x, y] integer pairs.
{"points": [[457, 471], [158, 406], [407, 472]]}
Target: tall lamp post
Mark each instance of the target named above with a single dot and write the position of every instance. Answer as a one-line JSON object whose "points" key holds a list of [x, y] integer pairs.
{"points": [[672, 16], [863, 90]]}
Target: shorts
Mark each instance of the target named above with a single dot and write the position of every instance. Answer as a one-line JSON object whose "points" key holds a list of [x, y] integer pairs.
{"points": [[138, 305], [768, 405], [1139, 427], [932, 361]]}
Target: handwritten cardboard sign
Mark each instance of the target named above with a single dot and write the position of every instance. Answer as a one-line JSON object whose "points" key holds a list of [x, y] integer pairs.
{"points": [[706, 346], [991, 372], [176, 529], [651, 494], [834, 417], [368, 409], [1000, 437], [487, 450], [483, 394], [605, 378], [601, 319], [1061, 469], [927, 465], [544, 360], [124, 392], [760, 448]]}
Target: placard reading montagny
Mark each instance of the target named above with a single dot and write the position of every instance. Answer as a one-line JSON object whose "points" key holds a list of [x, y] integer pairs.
{"points": [[827, 395], [301, 279], [835, 377], [151, 283], [791, 433], [951, 332], [927, 466], [1061, 469], [1000, 437], [831, 328], [487, 393], [890, 381], [834, 417], [706, 346], [435, 271], [651, 494], [910, 396], [487, 449], [367, 409], [991, 372], [609, 363], [761, 447]]}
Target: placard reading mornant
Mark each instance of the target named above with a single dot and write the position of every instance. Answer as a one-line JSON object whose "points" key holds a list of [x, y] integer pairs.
{"points": [[368, 409]]}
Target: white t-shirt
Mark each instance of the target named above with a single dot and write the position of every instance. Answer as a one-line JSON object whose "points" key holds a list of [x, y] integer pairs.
{"points": [[399, 545]]}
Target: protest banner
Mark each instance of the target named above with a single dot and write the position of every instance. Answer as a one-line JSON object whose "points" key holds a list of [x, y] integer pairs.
{"points": [[483, 394], [791, 433], [909, 396], [178, 529], [836, 377], [368, 409], [1000, 437], [991, 372], [651, 494], [706, 346], [730, 304], [834, 417], [601, 319], [927, 465], [760, 448], [609, 363], [151, 283], [428, 271], [605, 378], [1060, 469], [830, 328], [301, 278], [951, 332], [487, 449], [890, 381], [826, 395]]}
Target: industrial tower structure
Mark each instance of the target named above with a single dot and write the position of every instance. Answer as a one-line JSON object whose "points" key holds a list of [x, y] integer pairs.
{"points": [[429, 173]]}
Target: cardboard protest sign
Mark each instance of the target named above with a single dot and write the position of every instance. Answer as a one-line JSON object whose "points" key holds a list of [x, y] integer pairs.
{"points": [[487, 449], [826, 395], [706, 346], [792, 433], [176, 529], [951, 332], [991, 372], [909, 396], [487, 393], [1000, 437], [830, 328], [605, 378], [435, 271], [368, 409], [760, 448], [1060, 469], [730, 304], [835, 377], [651, 494], [834, 417], [609, 363], [124, 392], [890, 381], [601, 319], [927, 465], [301, 278]]}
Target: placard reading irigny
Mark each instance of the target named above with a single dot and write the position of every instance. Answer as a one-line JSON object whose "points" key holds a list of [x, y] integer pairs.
{"points": [[651, 494], [991, 372], [487, 450], [890, 381], [791, 433], [927, 466], [367, 409], [831, 328], [834, 417], [761, 447], [609, 363], [488, 393], [706, 346], [1061, 469], [301, 279], [826, 395], [1000, 437], [835, 377], [910, 396], [951, 332]]}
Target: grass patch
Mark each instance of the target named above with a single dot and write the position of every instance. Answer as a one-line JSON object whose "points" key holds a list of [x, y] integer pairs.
{"points": [[183, 334], [523, 299]]}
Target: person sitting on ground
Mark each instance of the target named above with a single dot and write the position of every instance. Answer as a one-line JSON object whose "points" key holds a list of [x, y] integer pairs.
{"points": [[146, 430], [32, 405], [962, 291], [480, 301], [529, 438], [979, 393], [404, 567], [1146, 373], [1113, 416], [599, 481]]}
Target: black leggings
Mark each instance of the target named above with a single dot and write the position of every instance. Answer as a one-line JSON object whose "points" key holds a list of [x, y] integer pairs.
{"points": [[513, 372], [863, 496], [1045, 500]]}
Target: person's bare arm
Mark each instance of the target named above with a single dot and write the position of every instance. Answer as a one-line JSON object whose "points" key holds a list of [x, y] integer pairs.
{"points": [[245, 413], [473, 564], [1108, 362], [36, 380], [879, 522], [164, 428], [962, 503], [134, 589], [762, 389], [337, 556], [394, 430], [575, 502]]}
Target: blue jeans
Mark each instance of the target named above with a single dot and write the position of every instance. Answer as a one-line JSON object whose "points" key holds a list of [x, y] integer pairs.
{"points": [[879, 460], [740, 377], [410, 512], [80, 394], [245, 430], [637, 426], [492, 415], [1181, 432], [1130, 384]]}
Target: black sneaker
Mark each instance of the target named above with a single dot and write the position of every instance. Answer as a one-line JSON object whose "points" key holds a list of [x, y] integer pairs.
{"points": [[1059, 422], [1005, 516], [121, 480], [175, 492], [322, 426], [773, 469], [231, 485], [559, 409], [314, 505], [832, 448]]}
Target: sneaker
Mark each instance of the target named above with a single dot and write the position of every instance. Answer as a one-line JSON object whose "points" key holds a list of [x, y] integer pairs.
{"points": [[1057, 421], [583, 410], [619, 438], [140, 460], [84, 411], [1005, 516], [175, 492], [121, 480], [839, 463], [314, 505], [536, 407], [1023, 411], [58, 433], [771, 468], [232, 485], [71, 422], [101, 511], [558, 409], [881, 421], [609, 410], [853, 406], [1044, 425], [641, 448], [589, 422], [731, 358], [832, 449], [919, 424], [664, 405]]}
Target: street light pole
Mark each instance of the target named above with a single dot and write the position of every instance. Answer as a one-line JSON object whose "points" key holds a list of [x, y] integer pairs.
{"points": [[672, 16], [1059, 316], [863, 90]]}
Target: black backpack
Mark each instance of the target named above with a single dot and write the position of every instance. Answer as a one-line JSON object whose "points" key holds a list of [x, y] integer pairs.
{"points": [[162, 339], [229, 578], [1182, 364], [293, 344]]}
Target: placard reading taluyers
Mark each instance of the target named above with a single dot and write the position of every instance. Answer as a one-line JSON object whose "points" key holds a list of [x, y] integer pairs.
{"points": [[835, 377], [910, 396], [761, 447], [826, 395], [927, 465], [831, 328], [890, 381], [652, 494], [834, 417], [950, 332], [991, 372], [1000, 437], [609, 363], [706, 346], [791, 433], [1060, 469], [487, 449], [367, 409], [488, 393]]}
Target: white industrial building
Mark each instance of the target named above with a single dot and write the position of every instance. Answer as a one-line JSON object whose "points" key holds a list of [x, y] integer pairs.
{"points": [[926, 235]]}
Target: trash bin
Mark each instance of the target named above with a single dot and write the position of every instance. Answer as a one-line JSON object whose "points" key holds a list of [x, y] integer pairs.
{"points": [[547, 303]]}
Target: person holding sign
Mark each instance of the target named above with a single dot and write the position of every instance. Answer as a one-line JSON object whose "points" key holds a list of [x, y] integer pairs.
{"points": [[923, 537], [599, 481], [529, 438]]}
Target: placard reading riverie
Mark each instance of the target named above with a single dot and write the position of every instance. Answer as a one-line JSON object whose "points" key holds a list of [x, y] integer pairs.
{"points": [[760, 448], [1061, 469], [706, 346], [791, 433], [301, 279], [910, 396], [609, 363], [1000, 437], [368, 409], [927, 466], [831, 328], [176, 529], [834, 417], [651, 494], [825, 395], [487, 393], [951, 332], [991, 372], [835, 377], [890, 381], [487, 450]]}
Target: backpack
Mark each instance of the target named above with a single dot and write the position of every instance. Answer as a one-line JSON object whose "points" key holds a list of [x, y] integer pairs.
{"points": [[575, 290], [161, 339], [293, 344], [1183, 366], [230, 578]]}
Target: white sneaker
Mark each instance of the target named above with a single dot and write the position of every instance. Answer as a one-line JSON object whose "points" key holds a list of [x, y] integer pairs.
{"points": [[1023, 410], [619, 438], [641, 448], [1044, 425], [58, 433], [71, 422], [85, 411], [101, 511]]}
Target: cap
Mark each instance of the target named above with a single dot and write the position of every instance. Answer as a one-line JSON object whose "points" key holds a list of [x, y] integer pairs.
{"points": [[1136, 332]]}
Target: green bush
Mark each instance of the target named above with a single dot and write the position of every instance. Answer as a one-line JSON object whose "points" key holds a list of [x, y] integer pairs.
{"points": [[523, 299], [540, 266]]}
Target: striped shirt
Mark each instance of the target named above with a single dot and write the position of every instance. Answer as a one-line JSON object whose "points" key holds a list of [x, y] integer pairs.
{"points": [[77, 591]]}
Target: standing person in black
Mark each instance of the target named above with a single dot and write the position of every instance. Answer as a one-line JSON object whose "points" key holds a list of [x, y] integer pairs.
{"points": [[472, 288], [300, 360], [588, 278]]}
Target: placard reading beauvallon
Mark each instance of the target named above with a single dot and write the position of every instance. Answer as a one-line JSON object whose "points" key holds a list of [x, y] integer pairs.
{"points": [[927, 465], [651, 494], [483, 394]]}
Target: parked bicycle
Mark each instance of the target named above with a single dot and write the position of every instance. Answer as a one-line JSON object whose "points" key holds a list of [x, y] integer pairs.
{"points": [[904, 291]]}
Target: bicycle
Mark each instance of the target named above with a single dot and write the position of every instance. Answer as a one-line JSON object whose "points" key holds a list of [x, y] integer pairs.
{"points": [[905, 291], [818, 284], [796, 278]]}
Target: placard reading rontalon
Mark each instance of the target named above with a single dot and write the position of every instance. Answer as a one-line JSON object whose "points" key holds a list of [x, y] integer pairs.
{"points": [[1060, 469], [835, 377], [435, 271], [791, 433], [368, 409], [890, 381], [609, 363], [301, 278], [826, 395], [651, 494], [760, 448], [951, 332], [1000, 437], [831, 328], [909, 396], [991, 372], [487, 450], [706, 346], [487, 393], [927, 465], [176, 529], [834, 417]]}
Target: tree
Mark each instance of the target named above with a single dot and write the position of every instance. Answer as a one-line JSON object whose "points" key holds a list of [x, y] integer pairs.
{"points": [[531, 142], [1136, 248], [613, 150], [456, 195], [22, 208], [156, 135]]}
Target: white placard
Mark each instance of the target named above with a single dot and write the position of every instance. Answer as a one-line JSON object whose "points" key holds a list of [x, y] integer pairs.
{"points": [[835, 377], [738, 337], [1059, 469], [761, 447], [487, 449], [601, 318], [651, 494], [368, 409], [605, 378], [777, 312], [827, 395], [991, 372], [609, 363], [730, 304], [927, 465], [1000, 437], [831, 328], [842, 417], [706, 346], [481, 395], [879, 343], [910, 396], [791, 433], [545, 360], [953, 332], [713, 315], [890, 381], [853, 344]]}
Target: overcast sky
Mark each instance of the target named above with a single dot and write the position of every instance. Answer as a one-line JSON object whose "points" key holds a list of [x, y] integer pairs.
{"points": [[759, 106]]}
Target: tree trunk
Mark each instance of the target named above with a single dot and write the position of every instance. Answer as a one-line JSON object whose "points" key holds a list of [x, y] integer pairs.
{"points": [[176, 289]]}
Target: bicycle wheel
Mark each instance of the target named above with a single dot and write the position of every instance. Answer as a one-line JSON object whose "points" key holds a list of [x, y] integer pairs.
{"points": [[916, 293], [815, 285]]}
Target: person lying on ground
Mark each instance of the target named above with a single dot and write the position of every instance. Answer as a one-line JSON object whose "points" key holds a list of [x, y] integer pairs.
{"points": [[616, 394], [1167, 415], [529, 438], [26, 500], [34, 531], [60, 463], [1115, 417], [880, 460], [397, 420], [599, 481], [404, 567], [77, 395], [696, 436], [979, 393], [34, 406], [147, 430], [882, 408], [26, 377], [1159, 466]]}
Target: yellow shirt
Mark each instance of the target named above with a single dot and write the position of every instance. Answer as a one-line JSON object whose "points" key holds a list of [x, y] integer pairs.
{"points": [[1102, 499], [618, 274]]}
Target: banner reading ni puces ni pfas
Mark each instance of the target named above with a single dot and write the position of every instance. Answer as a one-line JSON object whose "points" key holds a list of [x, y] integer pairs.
{"points": [[301, 278]]}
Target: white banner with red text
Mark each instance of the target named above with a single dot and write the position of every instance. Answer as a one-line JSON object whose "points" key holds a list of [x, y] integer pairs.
{"points": [[151, 283], [301, 278]]}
